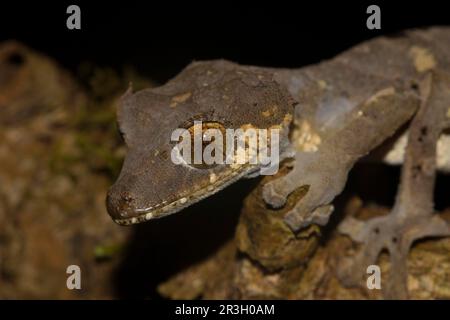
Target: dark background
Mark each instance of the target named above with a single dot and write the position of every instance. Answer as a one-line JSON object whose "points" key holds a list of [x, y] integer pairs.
{"points": [[159, 39]]}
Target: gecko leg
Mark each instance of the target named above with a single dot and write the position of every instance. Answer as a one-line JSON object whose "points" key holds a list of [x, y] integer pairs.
{"points": [[412, 216], [324, 171], [323, 183]]}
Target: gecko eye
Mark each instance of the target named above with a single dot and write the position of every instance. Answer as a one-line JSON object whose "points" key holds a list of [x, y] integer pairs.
{"points": [[208, 141]]}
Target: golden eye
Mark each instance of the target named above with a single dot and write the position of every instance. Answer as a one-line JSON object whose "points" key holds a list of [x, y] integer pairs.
{"points": [[204, 134]]}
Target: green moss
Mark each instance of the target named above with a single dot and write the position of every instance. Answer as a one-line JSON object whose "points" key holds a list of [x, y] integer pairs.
{"points": [[94, 125], [105, 252]]}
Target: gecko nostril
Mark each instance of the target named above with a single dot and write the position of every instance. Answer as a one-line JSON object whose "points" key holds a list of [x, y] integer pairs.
{"points": [[119, 204], [126, 197]]}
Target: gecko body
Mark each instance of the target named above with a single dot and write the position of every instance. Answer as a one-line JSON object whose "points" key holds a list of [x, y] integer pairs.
{"points": [[341, 109], [330, 115]]}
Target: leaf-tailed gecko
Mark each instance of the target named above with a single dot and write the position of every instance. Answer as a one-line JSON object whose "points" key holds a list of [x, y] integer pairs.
{"points": [[330, 114]]}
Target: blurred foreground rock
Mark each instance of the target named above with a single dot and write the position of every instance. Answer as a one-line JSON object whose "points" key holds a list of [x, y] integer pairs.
{"points": [[58, 151]]}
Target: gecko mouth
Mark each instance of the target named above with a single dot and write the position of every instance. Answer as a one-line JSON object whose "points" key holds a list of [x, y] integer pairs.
{"points": [[166, 207]]}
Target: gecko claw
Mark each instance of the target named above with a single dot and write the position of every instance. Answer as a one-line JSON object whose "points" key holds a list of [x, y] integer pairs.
{"points": [[272, 197], [320, 216]]}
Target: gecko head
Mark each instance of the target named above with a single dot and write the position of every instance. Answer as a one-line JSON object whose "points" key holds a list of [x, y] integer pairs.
{"points": [[156, 180]]}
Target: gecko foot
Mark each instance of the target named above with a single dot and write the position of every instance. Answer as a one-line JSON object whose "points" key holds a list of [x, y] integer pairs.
{"points": [[320, 216], [389, 232], [321, 181], [413, 216]]}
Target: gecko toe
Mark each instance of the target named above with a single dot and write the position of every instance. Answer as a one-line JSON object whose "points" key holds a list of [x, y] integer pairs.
{"points": [[297, 218], [272, 197]]}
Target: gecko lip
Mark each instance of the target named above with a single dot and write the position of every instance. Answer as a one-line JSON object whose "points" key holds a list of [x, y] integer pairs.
{"points": [[125, 214]]}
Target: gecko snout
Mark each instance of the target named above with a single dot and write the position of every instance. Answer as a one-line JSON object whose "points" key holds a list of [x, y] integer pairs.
{"points": [[120, 204]]}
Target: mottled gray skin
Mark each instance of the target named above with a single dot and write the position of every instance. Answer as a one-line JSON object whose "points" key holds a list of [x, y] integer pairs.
{"points": [[352, 102], [332, 96], [150, 185]]}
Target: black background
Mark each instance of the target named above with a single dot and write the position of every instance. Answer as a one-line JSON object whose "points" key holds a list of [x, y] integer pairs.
{"points": [[159, 38]]}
